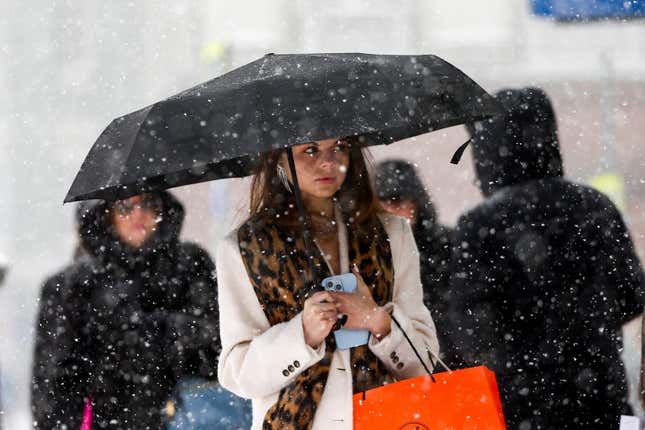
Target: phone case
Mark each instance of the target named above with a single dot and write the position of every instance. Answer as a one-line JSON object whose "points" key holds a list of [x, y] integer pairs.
{"points": [[346, 338]]}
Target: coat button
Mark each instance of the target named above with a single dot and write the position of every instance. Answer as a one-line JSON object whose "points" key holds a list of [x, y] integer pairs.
{"points": [[395, 359], [290, 369], [296, 364], [399, 366], [285, 372], [393, 354]]}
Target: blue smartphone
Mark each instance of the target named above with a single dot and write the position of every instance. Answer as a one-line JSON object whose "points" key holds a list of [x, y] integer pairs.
{"points": [[346, 338]]}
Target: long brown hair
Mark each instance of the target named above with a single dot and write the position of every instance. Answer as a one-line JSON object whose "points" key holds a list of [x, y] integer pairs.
{"points": [[356, 197]]}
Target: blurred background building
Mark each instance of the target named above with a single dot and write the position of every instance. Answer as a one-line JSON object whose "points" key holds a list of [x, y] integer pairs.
{"points": [[67, 68]]}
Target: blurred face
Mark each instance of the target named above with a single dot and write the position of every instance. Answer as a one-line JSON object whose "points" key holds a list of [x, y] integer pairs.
{"points": [[135, 219], [321, 167], [403, 208]]}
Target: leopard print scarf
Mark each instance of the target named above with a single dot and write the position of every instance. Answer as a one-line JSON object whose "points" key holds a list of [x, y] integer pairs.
{"points": [[276, 262]]}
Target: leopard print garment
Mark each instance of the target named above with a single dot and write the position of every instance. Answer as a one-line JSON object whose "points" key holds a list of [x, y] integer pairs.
{"points": [[276, 263]]}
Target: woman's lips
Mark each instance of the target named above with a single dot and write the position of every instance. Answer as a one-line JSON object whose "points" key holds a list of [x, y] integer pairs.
{"points": [[326, 179]]}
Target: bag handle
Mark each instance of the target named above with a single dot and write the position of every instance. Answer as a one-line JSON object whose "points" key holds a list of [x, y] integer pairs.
{"points": [[430, 353]]}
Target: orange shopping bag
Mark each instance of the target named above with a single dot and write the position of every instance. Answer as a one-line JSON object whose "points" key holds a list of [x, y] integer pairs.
{"points": [[466, 399]]}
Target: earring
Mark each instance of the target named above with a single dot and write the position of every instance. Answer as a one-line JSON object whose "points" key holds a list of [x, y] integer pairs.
{"points": [[282, 175]]}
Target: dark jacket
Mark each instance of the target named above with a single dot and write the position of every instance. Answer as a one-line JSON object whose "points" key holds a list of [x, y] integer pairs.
{"points": [[545, 274], [122, 325], [398, 180]]}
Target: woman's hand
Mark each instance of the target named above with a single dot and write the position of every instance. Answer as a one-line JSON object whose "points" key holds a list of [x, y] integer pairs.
{"points": [[318, 318], [361, 310]]}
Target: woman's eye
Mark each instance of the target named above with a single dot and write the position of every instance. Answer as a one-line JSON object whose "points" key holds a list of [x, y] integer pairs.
{"points": [[311, 150]]}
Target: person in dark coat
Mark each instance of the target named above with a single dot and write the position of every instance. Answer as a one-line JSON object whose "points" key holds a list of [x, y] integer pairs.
{"points": [[134, 313], [545, 274], [401, 192]]}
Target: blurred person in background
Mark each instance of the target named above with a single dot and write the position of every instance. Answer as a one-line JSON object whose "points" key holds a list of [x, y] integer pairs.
{"points": [[135, 313], [545, 275], [401, 192]]}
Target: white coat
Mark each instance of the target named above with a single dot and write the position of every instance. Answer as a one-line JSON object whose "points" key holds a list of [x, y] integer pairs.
{"points": [[255, 354]]}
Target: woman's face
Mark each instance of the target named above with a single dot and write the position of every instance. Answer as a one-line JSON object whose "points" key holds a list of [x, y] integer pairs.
{"points": [[135, 219], [321, 167]]}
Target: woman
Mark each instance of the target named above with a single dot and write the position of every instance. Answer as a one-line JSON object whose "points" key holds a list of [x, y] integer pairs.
{"points": [[277, 347], [401, 192], [134, 313]]}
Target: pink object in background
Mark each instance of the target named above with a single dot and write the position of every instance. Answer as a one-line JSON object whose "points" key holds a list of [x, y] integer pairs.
{"points": [[87, 415]]}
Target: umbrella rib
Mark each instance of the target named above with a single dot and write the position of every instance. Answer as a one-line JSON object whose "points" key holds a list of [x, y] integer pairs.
{"points": [[127, 158], [265, 106], [303, 214]]}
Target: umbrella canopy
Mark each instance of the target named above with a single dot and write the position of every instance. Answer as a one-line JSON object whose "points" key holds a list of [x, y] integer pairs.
{"points": [[217, 129]]}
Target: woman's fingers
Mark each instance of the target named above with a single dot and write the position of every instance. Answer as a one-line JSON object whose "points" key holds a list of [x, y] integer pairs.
{"points": [[330, 316], [343, 308], [343, 300], [326, 307], [319, 316], [338, 298], [357, 273], [320, 296], [354, 308], [362, 289], [324, 311], [348, 301]]}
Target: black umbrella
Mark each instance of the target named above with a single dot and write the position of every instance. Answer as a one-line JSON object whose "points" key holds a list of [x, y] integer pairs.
{"points": [[218, 128]]}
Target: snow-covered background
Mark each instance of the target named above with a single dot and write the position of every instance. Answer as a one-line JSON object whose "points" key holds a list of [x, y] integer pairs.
{"points": [[68, 67]]}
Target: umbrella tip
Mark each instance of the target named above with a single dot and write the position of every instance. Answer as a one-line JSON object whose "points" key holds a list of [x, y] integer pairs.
{"points": [[69, 199]]}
